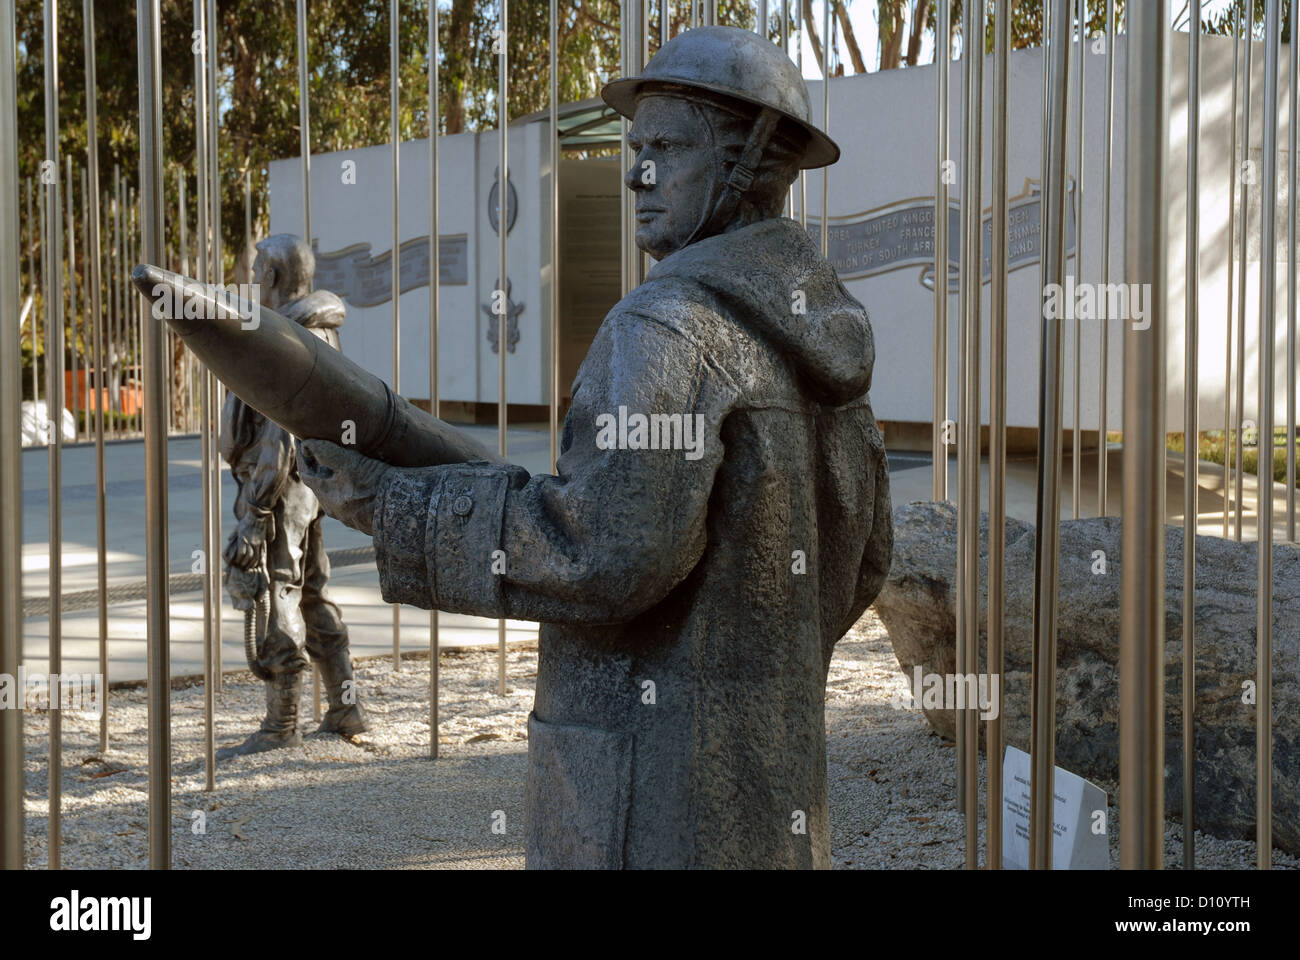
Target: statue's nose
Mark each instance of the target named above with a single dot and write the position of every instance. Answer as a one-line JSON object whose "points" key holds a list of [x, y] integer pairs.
{"points": [[632, 179]]}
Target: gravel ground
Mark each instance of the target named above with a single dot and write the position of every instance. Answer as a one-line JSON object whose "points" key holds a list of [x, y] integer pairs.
{"points": [[379, 802]]}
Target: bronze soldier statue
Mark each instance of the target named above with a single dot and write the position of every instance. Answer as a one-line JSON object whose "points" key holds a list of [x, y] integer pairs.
{"points": [[720, 511], [277, 554]]}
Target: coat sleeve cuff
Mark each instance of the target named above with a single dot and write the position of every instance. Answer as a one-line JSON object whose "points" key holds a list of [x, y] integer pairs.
{"points": [[464, 537], [438, 536], [408, 499]]}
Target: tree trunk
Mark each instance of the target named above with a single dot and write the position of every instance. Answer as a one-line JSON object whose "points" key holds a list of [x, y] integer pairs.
{"points": [[456, 64], [919, 18], [807, 19], [890, 16], [859, 66]]}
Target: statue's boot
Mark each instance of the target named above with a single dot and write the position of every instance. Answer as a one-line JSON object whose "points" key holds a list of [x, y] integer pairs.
{"points": [[280, 728], [345, 715]]}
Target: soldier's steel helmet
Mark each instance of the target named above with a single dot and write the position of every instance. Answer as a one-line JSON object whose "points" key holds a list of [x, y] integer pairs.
{"points": [[734, 63]]}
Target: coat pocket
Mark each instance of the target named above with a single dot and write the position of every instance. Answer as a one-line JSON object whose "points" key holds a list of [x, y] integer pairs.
{"points": [[578, 796]]}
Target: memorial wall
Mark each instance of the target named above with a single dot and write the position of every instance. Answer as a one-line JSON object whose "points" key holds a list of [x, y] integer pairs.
{"points": [[881, 196]]}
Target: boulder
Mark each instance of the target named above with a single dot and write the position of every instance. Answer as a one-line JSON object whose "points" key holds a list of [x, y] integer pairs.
{"points": [[918, 606]]}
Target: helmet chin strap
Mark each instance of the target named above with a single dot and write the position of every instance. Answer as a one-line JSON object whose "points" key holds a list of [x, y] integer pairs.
{"points": [[719, 212]]}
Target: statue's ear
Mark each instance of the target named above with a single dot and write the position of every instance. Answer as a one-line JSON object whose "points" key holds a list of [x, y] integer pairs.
{"points": [[271, 276]]}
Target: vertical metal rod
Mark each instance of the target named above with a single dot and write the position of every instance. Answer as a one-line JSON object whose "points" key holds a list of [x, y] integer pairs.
{"points": [[216, 272], [1047, 535], [665, 21], [1103, 365], [1264, 468], [155, 443], [34, 281], [11, 479], [1232, 218], [963, 408], [939, 446], [1240, 405], [1191, 430], [435, 282], [503, 229], [803, 174], [54, 349], [1076, 440], [70, 207], [137, 313], [997, 435], [208, 451], [1293, 181], [785, 45], [395, 135], [304, 150], [91, 206], [217, 267], [183, 218], [1142, 590], [972, 290], [116, 359], [248, 212], [554, 200], [826, 119], [304, 122]]}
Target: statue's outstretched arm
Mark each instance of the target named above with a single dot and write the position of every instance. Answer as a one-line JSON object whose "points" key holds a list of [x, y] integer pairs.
{"points": [[604, 540]]}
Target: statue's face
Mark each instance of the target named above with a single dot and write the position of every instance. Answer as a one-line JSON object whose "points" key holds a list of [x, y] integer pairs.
{"points": [[672, 174], [264, 275]]}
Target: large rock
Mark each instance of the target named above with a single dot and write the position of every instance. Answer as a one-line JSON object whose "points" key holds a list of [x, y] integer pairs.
{"points": [[917, 606]]}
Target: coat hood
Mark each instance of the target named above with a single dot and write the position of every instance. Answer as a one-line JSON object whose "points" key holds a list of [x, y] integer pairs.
{"points": [[319, 310], [759, 272]]}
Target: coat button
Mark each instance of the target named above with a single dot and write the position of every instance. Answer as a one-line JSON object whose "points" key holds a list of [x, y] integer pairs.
{"points": [[462, 505]]}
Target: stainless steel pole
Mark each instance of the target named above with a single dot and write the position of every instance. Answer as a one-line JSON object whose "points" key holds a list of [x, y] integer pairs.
{"points": [[1293, 181], [33, 278], [395, 135], [304, 151], [826, 118], [11, 478], [69, 219], [1142, 590], [116, 358], [211, 547], [155, 443], [304, 122], [435, 282], [803, 174], [54, 349], [554, 133], [1264, 468], [1246, 163], [93, 263], [216, 273], [1191, 430], [502, 295], [1048, 509], [1076, 440], [1103, 367], [969, 479], [939, 446], [997, 437], [1232, 217]]}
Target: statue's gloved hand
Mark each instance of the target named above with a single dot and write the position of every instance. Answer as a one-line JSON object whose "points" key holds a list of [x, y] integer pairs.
{"points": [[245, 547], [345, 482]]}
